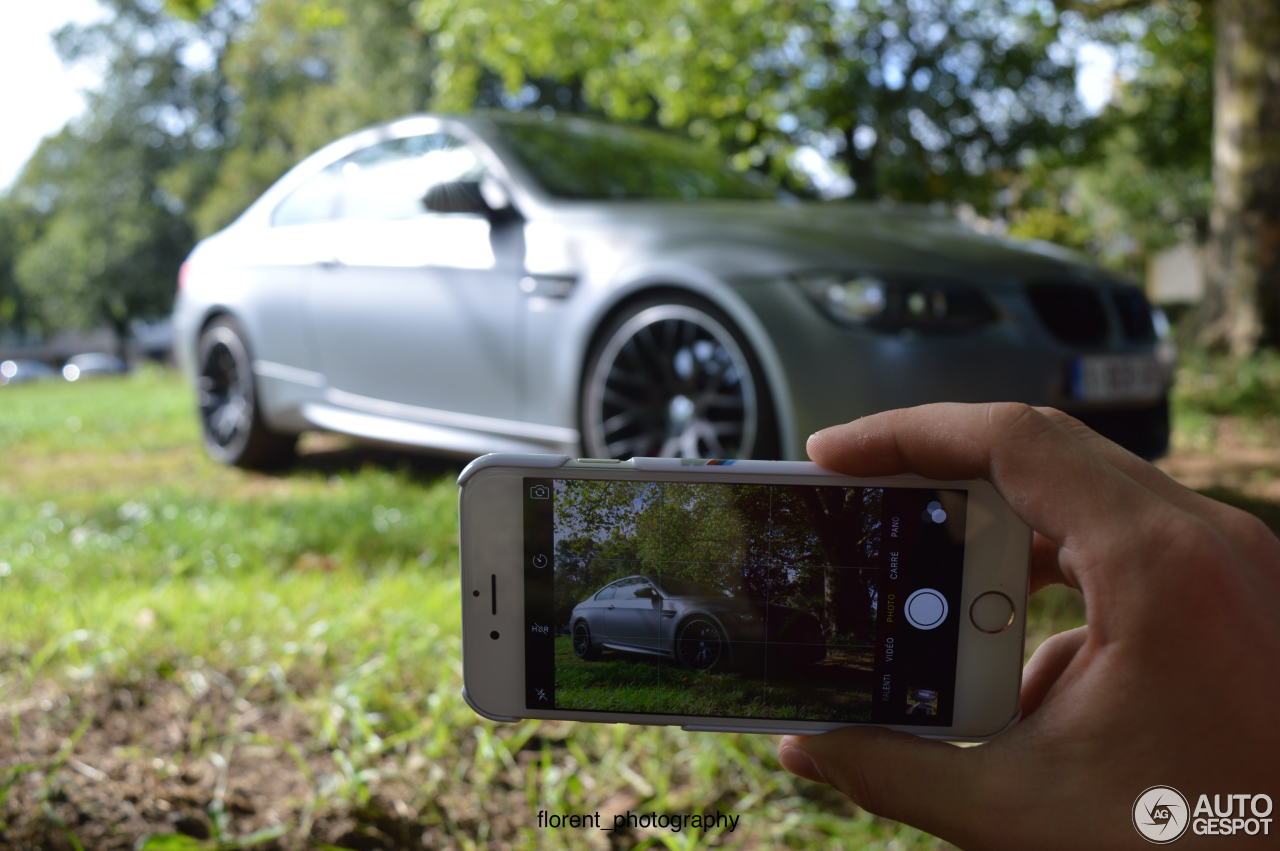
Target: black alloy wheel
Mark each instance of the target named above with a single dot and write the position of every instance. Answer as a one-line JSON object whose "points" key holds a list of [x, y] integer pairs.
{"points": [[230, 418], [582, 646], [700, 645], [673, 378]]}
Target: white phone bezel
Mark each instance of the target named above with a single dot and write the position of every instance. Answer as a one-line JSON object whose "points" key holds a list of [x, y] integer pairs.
{"points": [[491, 506]]}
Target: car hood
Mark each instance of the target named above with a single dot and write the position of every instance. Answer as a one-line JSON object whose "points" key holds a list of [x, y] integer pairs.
{"points": [[765, 237]]}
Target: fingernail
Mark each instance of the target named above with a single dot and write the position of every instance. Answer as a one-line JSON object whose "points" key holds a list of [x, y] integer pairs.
{"points": [[799, 763]]}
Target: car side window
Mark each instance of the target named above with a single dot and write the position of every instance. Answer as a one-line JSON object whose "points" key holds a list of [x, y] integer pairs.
{"points": [[316, 200], [626, 589], [386, 181], [607, 592]]}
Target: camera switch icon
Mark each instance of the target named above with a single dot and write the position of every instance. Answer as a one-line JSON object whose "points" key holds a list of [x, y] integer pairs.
{"points": [[539, 492]]}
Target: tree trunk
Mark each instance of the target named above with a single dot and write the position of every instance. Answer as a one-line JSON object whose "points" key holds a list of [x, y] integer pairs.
{"points": [[862, 167], [1242, 302]]}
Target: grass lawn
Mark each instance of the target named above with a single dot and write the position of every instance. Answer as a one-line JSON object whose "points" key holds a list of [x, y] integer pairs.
{"points": [[197, 657]]}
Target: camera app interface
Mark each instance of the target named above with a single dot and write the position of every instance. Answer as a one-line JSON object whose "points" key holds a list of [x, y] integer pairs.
{"points": [[786, 602]]}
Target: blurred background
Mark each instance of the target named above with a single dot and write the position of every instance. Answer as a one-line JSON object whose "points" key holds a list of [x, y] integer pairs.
{"points": [[192, 656]]}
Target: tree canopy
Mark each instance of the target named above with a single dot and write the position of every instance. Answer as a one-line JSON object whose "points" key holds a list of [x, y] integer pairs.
{"points": [[971, 103]]}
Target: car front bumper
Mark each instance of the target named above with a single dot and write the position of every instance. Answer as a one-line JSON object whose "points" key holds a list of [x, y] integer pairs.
{"points": [[831, 373]]}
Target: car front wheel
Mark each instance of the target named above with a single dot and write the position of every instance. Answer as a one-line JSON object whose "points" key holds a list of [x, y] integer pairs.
{"points": [[672, 377], [700, 645], [230, 417]]}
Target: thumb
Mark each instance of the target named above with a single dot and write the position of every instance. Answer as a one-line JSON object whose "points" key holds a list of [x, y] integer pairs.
{"points": [[930, 784]]}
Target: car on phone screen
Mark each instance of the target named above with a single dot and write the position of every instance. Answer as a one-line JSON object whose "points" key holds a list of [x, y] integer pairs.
{"points": [[694, 624], [514, 282]]}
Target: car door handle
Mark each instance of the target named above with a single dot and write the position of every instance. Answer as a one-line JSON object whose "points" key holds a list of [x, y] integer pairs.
{"points": [[611, 606], [548, 286], [329, 263]]}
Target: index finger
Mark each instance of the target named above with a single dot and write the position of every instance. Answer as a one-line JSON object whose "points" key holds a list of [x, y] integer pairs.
{"points": [[1055, 483]]}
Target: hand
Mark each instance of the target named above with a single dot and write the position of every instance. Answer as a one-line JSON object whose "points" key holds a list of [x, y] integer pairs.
{"points": [[1175, 679]]}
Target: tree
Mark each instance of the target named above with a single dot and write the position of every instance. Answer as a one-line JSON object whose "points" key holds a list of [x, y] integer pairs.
{"points": [[109, 193], [16, 315], [921, 101], [802, 548], [1141, 181], [1243, 308], [301, 73]]}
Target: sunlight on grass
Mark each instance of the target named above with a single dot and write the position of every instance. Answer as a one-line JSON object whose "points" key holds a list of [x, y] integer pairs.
{"points": [[285, 649]]}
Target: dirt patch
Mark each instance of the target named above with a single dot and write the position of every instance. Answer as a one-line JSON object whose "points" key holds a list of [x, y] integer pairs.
{"points": [[107, 767], [1240, 467], [1234, 461]]}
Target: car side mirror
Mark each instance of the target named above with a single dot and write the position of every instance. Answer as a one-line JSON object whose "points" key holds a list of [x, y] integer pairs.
{"points": [[481, 197], [456, 196], [647, 592]]}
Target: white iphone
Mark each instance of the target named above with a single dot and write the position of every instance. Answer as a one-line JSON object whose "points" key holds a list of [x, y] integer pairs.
{"points": [[752, 596]]}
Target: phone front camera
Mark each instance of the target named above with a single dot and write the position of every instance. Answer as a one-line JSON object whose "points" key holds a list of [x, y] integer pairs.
{"points": [[494, 635]]}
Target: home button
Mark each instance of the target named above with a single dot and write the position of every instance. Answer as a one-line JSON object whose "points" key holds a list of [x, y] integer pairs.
{"points": [[992, 612]]}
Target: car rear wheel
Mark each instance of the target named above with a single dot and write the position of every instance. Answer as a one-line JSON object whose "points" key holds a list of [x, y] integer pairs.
{"points": [[672, 377], [582, 646], [230, 416], [700, 645]]}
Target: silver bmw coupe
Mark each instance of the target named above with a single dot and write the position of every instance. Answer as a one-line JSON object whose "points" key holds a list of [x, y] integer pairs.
{"points": [[513, 282], [698, 626]]}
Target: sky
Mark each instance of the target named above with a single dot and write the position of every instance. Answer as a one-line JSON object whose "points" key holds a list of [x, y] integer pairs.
{"points": [[40, 94]]}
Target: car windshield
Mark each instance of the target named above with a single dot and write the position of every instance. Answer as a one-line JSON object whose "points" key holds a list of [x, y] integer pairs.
{"points": [[588, 161]]}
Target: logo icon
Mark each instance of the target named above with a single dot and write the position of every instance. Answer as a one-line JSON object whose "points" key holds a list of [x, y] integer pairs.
{"points": [[1161, 814], [539, 492]]}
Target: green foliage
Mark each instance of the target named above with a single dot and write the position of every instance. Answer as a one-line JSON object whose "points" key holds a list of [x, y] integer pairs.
{"points": [[1142, 183], [304, 72], [108, 231], [920, 101], [742, 540], [16, 223], [205, 103], [109, 247], [1217, 384]]}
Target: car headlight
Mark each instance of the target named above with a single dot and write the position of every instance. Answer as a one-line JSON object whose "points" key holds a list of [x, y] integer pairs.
{"points": [[875, 301]]}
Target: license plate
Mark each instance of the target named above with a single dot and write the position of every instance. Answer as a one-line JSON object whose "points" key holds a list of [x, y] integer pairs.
{"points": [[1114, 378]]}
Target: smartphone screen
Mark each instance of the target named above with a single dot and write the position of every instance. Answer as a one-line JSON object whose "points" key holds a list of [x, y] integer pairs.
{"points": [[771, 602]]}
